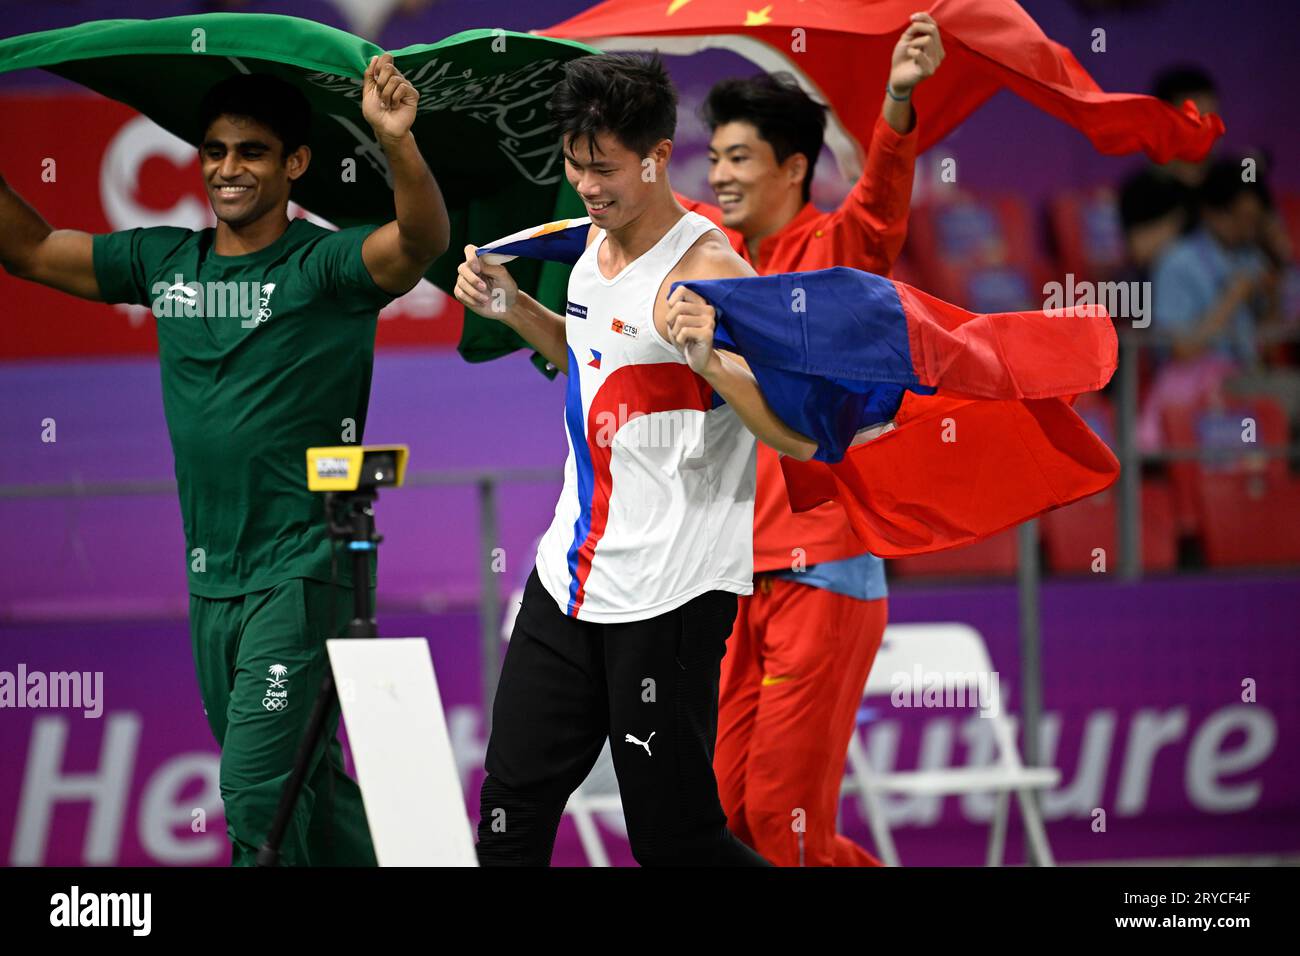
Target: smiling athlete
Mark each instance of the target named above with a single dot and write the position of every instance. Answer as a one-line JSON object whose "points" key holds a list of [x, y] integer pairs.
{"points": [[625, 618], [249, 383]]}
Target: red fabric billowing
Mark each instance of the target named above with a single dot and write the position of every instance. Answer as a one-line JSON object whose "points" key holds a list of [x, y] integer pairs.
{"points": [[991, 45], [956, 470], [1008, 354]]}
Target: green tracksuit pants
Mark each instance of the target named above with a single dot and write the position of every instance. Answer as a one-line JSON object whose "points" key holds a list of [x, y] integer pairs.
{"points": [[260, 659]]}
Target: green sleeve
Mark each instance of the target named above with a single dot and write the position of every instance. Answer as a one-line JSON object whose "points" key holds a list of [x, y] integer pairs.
{"points": [[128, 263], [334, 265], [119, 269]]}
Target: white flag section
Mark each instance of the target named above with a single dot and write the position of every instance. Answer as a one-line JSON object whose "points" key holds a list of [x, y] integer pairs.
{"points": [[560, 241], [398, 735]]}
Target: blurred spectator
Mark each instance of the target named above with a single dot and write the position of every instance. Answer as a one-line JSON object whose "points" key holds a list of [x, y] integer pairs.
{"points": [[1152, 214], [1160, 202], [1216, 298], [1211, 286]]}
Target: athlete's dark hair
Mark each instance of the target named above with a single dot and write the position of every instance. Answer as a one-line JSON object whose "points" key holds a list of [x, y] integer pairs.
{"points": [[1224, 183], [259, 96], [784, 115], [626, 95]]}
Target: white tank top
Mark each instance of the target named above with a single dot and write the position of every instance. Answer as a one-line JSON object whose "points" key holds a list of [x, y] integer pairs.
{"points": [[658, 499]]}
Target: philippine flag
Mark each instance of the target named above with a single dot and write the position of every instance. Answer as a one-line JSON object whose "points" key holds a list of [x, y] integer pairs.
{"points": [[559, 241], [935, 426]]}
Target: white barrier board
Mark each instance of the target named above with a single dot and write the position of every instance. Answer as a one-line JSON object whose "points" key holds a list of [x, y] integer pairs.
{"points": [[402, 751]]}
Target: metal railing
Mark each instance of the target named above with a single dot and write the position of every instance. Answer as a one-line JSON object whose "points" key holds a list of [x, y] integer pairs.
{"points": [[484, 480], [1128, 512]]}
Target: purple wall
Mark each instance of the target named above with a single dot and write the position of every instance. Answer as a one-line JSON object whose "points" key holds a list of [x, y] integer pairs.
{"points": [[1150, 677], [76, 557]]}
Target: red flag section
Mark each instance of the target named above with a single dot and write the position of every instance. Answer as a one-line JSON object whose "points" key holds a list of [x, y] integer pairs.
{"points": [[1008, 354], [956, 470], [842, 50]]}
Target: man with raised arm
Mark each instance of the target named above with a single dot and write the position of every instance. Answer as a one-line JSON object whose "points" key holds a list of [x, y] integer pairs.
{"points": [[266, 331], [625, 618]]}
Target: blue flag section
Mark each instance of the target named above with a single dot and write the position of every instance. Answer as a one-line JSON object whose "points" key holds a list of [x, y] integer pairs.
{"points": [[829, 348], [835, 351], [561, 241]]}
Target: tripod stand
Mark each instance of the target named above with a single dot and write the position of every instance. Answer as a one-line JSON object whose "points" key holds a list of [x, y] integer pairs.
{"points": [[351, 517]]}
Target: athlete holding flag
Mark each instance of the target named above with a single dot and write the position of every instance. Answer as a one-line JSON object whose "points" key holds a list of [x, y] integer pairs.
{"points": [[625, 618], [804, 641], [245, 395]]}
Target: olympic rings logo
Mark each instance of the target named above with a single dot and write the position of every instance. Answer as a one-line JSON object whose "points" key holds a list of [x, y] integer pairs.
{"points": [[274, 703]]}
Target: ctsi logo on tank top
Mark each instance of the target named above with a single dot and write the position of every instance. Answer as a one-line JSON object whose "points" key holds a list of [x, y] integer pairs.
{"points": [[622, 328]]}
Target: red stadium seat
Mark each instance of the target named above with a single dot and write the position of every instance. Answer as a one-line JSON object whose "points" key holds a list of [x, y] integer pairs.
{"points": [[994, 556], [1071, 534], [1217, 424], [1087, 232], [1241, 503], [1249, 519], [1289, 207], [1288, 353], [978, 252]]}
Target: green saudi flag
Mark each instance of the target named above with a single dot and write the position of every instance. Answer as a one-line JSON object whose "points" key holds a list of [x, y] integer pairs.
{"points": [[482, 126]]}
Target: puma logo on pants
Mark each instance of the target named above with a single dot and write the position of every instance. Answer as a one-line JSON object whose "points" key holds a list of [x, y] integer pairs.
{"points": [[628, 738]]}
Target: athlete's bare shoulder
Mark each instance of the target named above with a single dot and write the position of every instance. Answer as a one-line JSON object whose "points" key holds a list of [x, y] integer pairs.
{"points": [[592, 232], [711, 257]]}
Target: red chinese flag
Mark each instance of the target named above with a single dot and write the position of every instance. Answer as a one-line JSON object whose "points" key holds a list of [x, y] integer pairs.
{"points": [[845, 47]]}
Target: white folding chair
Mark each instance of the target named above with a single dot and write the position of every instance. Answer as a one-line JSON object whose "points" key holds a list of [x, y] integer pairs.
{"points": [[957, 650]]}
